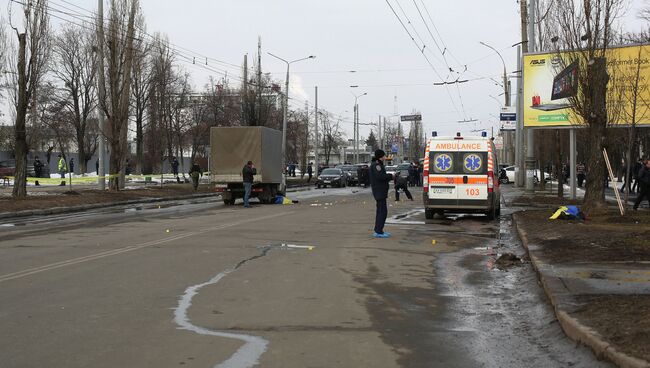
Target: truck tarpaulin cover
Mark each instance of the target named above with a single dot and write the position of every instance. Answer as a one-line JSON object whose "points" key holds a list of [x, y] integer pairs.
{"points": [[233, 147]]}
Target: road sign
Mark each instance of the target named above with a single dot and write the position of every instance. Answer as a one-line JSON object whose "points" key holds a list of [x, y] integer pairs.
{"points": [[395, 148], [508, 118], [417, 117]]}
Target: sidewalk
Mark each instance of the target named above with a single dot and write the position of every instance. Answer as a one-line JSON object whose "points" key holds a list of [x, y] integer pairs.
{"points": [[596, 275]]}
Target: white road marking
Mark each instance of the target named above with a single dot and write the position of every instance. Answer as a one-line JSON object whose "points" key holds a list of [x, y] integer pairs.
{"points": [[96, 256], [246, 356]]}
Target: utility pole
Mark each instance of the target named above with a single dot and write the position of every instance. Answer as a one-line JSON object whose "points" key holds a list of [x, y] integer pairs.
{"points": [[519, 132], [530, 133], [101, 180], [244, 97], [316, 163], [259, 80]]}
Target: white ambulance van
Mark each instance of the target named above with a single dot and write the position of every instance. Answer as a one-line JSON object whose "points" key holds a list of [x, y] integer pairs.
{"points": [[460, 175]]}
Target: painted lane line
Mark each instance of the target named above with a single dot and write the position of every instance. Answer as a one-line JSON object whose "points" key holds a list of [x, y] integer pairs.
{"points": [[246, 356], [96, 256]]}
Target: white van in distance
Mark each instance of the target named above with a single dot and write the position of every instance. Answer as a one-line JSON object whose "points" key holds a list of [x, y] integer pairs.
{"points": [[460, 175]]}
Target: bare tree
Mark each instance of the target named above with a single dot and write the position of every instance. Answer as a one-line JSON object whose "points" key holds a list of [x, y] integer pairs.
{"points": [[75, 67], [141, 78], [3, 58], [31, 62], [332, 136], [585, 28], [119, 63]]}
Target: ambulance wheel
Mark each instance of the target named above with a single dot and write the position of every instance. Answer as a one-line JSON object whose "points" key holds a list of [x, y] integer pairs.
{"points": [[492, 214], [429, 213]]}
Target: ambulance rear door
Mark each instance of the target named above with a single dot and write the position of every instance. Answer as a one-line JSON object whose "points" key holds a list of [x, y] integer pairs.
{"points": [[443, 191], [473, 171]]}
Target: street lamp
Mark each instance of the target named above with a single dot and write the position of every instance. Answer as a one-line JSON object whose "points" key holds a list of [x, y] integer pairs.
{"points": [[356, 124], [284, 113], [505, 73]]}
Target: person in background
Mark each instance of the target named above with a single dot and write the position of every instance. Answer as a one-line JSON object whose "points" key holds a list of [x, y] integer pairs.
{"points": [[248, 173], [97, 166], [38, 167], [62, 167], [72, 165], [581, 173], [175, 168], [196, 173], [401, 182], [127, 169], [379, 181], [644, 185], [310, 172], [635, 175]]}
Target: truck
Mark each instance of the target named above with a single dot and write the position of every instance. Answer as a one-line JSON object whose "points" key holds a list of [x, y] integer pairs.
{"points": [[232, 147]]}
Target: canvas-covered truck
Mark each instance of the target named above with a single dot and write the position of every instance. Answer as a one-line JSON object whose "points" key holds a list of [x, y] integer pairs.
{"points": [[232, 147]]}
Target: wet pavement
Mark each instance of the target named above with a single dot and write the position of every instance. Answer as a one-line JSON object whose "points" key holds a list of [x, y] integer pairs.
{"points": [[198, 284]]}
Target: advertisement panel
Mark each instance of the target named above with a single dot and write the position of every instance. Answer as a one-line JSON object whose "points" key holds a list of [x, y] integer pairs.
{"points": [[550, 82]]}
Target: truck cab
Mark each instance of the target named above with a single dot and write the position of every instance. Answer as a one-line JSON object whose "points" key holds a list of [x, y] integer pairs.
{"points": [[460, 175]]}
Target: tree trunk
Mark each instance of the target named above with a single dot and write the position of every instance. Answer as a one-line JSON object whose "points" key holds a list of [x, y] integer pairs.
{"points": [[81, 146], [20, 177], [139, 148], [558, 164], [597, 132]]}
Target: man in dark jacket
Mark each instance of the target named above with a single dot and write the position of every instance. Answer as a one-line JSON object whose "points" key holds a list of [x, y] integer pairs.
{"points": [[401, 182], [195, 173], [310, 172], [644, 185], [248, 173], [38, 167], [379, 181]]}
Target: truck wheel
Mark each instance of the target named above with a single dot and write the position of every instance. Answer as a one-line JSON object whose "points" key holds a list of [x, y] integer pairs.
{"points": [[228, 202], [429, 213]]}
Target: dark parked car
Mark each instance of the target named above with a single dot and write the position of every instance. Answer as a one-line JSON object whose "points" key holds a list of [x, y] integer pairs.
{"points": [[8, 168], [332, 178], [351, 172], [363, 172]]}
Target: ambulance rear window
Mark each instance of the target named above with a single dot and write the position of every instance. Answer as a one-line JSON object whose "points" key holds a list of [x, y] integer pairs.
{"points": [[442, 162], [474, 163]]}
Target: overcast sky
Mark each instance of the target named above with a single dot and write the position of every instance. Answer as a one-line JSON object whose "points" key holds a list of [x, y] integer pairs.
{"points": [[360, 35]]}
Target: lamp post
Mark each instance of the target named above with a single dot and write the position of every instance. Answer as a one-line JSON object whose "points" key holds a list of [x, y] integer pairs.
{"points": [[284, 114], [356, 124], [506, 89]]}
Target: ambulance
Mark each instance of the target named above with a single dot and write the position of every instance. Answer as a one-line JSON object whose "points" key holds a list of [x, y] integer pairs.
{"points": [[460, 175]]}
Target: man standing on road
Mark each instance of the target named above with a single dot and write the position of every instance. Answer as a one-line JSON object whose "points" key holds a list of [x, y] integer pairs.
{"points": [[310, 172], [196, 173], [379, 181], [72, 165], [401, 182], [644, 185], [248, 173]]}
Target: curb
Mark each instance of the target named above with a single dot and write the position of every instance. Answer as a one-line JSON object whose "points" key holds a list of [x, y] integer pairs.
{"points": [[87, 207], [571, 326]]}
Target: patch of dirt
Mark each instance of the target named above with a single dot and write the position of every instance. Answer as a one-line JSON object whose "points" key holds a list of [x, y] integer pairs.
{"points": [[82, 197], [506, 261], [622, 320], [606, 238]]}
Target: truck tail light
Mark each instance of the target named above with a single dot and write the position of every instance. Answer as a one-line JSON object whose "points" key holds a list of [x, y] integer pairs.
{"points": [[490, 185], [425, 180]]}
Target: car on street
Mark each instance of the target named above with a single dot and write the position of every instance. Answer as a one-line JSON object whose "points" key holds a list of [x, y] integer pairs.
{"points": [[363, 171], [404, 170], [8, 168], [510, 175], [351, 172], [391, 169], [332, 178]]}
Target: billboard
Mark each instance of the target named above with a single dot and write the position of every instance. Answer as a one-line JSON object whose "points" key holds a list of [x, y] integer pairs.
{"points": [[550, 82]]}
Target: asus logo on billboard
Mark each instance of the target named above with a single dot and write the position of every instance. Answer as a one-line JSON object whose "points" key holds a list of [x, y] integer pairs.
{"points": [[539, 62]]}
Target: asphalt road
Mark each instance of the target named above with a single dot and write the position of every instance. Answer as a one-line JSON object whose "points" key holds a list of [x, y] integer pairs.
{"points": [[197, 284]]}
